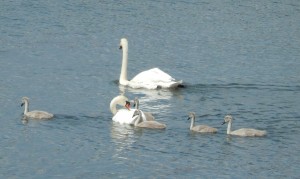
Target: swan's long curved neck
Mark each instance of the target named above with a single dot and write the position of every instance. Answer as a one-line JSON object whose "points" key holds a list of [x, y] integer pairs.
{"points": [[192, 122], [123, 76], [26, 108], [229, 127], [113, 106], [117, 100]]}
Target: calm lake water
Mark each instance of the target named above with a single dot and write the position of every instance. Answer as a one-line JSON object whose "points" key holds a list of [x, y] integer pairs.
{"points": [[235, 57]]}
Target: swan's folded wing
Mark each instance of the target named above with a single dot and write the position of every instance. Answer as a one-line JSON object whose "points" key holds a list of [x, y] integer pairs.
{"points": [[153, 75], [124, 116], [39, 115], [152, 79], [152, 125], [248, 132], [142, 84]]}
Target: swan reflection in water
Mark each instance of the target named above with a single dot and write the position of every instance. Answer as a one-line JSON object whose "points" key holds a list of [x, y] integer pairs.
{"points": [[154, 101], [123, 136]]}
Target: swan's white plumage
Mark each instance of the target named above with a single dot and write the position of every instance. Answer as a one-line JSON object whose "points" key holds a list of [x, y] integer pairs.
{"points": [[150, 79], [123, 116], [154, 78], [244, 132], [34, 114]]}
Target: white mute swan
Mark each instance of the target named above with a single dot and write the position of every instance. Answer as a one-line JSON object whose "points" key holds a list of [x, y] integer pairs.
{"points": [[136, 104], [34, 114], [242, 132], [150, 79], [147, 124], [200, 128], [123, 116]]}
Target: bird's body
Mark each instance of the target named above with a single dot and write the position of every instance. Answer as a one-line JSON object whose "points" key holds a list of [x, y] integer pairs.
{"points": [[150, 79], [243, 132], [123, 116], [147, 124], [34, 114], [200, 128]]}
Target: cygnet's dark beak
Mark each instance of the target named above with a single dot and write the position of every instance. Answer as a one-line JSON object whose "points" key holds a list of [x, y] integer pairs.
{"points": [[120, 47], [223, 123], [188, 118], [22, 104]]}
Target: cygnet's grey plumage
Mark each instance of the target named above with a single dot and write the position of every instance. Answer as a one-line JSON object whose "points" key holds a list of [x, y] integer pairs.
{"points": [[148, 115], [34, 114], [244, 132], [147, 124], [200, 128]]}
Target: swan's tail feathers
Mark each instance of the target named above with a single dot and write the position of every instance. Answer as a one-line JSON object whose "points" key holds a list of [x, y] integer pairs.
{"points": [[180, 85], [173, 84], [261, 133]]}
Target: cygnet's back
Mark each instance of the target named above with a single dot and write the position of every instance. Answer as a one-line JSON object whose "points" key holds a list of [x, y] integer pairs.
{"points": [[147, 124], [151, 125], [248, 132], [200, 128], [39, 115]]}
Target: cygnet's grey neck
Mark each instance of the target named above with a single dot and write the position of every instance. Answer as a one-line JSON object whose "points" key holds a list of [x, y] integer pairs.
{"points": [[136, 103], [139, 119], [229, 127], [192, 117], [26, 107]]}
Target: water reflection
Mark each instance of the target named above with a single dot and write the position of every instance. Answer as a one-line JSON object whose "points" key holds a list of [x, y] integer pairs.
{"points": [[122, 136], [150, 94], [151, 100], [24, 120]]}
